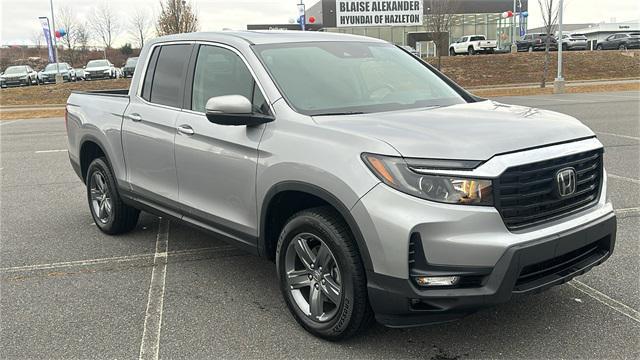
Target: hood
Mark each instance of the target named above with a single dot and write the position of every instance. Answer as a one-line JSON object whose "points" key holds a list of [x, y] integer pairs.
{"points": [[14, 76], [475, 131], [98, 68], [54, 72]]}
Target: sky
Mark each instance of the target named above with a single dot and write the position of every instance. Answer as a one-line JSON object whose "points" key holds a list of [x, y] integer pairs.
{"points": [[19, 18]]}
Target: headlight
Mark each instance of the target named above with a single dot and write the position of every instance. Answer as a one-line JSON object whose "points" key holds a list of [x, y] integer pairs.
{"points": [[397, 173], [107, 71]]}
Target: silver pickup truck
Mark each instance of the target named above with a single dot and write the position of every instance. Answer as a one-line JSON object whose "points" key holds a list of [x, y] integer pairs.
{"points": [[378, 186]]}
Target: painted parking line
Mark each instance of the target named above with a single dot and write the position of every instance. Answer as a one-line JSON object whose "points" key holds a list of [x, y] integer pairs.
{"points": [[150, 345], [618, 135], [624, 178], [128, 260], [50, 151], [614, 304]]}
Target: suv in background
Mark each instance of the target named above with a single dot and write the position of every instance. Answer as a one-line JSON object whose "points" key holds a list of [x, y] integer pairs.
{"points": [[18, 75], [574, 42], [129, 67], [620, 41], [100, 69], [536, 41]]}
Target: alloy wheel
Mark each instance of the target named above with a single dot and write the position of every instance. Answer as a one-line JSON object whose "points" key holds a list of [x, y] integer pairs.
{"points": [[313, 277], [101, 201]]}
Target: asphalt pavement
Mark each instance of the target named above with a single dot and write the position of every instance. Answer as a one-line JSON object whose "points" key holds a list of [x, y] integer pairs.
{"points": [[68, 291]]}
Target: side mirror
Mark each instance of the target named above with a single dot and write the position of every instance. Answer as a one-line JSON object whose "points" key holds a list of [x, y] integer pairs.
{"points": [[234, 110]]}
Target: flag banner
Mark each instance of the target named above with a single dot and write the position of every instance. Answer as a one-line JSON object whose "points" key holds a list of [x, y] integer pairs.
{"points": [[47, 35]]}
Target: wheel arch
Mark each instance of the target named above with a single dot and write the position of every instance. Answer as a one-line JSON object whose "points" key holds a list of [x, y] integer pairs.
{"points": [[90, 149], [267, 239]]}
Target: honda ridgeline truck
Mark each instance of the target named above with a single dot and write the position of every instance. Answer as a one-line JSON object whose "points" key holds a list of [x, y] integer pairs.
{"points": [[378, 186]]}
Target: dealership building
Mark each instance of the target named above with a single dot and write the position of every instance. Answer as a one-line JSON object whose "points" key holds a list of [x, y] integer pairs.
{"points": [[402, 23]]}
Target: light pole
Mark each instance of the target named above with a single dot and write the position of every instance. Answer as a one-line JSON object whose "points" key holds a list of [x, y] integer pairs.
{"points": [[55, 45], [558, 84], [514, 48], [302, 19]]}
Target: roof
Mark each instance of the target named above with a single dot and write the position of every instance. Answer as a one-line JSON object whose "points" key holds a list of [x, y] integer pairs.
{"points": [[266, 36]]}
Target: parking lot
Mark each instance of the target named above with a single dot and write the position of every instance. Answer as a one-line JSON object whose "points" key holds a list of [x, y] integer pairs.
{"points": [[68, 291]]}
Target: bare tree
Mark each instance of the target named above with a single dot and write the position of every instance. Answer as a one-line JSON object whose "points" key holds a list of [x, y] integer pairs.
{"points": [[83, 37], [105, 25], [549, 11], [176, 16], [439, 16], [66, 20], [139, 25], [37, 37]]}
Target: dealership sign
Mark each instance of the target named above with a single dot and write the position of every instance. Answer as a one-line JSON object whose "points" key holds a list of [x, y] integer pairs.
{"points": [[351, 13]]}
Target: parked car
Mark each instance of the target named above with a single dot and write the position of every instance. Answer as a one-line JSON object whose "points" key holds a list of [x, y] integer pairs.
{"points": [[19, 75], [48, 75], [99, 69], [79, 73], [536, 41], [472, 45], [377, 185], [574, 42], [620, 41], [129, 67]]}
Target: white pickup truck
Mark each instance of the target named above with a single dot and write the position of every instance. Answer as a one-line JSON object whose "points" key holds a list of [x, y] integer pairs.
{"points": [[472, 44]]}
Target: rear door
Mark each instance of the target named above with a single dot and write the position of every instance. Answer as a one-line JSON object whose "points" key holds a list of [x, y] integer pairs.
{"points": [[149, 125], [217, 164]]}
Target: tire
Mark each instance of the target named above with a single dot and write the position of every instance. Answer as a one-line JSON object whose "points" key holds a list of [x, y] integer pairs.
{"points": [[452, 52], [324, 238], [122, 218], [28, 81], [622, 47], [599, 47], [471, 50]]}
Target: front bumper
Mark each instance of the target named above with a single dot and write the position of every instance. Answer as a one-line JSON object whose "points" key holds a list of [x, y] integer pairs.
{"points": [[524, 268], [14, 82], [97, 76]]}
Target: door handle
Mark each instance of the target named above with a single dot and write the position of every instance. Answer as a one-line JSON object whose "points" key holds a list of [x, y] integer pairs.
{"points": [[186, 130], [135, 117]]}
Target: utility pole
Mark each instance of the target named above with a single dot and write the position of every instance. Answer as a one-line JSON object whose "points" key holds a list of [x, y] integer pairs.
{"points": [[558, 84], [59, 79]]}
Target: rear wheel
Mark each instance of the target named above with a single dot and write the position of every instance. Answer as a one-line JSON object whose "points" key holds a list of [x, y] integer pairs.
{"points": [[622, 47], [471, 50], [599, 47], [110, 214], [321, 275]]}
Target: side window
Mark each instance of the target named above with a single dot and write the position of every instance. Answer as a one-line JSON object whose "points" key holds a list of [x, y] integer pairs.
{"points": [[148, 77], [221, 72], [168, 77]]}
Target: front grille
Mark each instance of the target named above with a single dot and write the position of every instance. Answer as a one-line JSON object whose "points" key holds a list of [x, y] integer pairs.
{"points": [[526, 195]]}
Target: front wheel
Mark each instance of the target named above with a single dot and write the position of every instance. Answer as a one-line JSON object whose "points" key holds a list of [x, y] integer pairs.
{"points": [[452, 52], [321, 275], [110, 214]]}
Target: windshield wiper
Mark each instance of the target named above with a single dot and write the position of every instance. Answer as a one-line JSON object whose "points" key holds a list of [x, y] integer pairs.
{"points": [[340, 113]]}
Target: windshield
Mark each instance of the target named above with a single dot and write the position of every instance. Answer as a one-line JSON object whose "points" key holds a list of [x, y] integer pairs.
{"points": [[97, 63], [15, 70], [131, 62], [323, 78], [52, 67]]}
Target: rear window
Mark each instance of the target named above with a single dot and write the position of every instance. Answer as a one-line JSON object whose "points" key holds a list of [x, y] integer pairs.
{"points": [[477, 38], [634, 35], [168, 78]]}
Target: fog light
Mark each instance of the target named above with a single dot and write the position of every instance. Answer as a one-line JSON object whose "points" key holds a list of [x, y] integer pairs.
{"points": [[437, 280]]}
